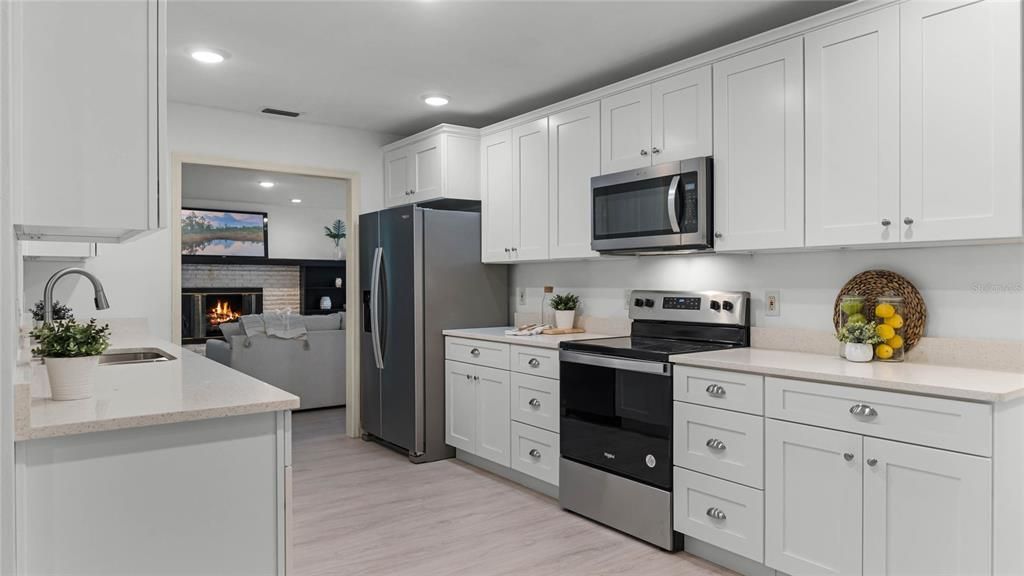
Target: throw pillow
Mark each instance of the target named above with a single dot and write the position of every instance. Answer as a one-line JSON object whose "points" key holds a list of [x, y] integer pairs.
{"points": [[323, 323], [252, 325], [229, 329]]}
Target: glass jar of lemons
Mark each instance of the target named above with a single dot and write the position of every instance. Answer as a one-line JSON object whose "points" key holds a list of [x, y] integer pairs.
{"points": [[851, 311], [890, 321]]}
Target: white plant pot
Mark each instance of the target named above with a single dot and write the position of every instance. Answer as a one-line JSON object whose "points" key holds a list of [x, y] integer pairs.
{"points": [[564, 318], [859, 352], [71, 378]]}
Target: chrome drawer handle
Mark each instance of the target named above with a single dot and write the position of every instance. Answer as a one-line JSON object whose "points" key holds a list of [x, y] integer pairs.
{"points": [[655, 150], [872, 461], [863, 410], [715, 390], [534, 403], [469, 376], [715, 444], [474, 352], [534, 453], [643, 152], [848, 456], [716, 513], [533, 362]]}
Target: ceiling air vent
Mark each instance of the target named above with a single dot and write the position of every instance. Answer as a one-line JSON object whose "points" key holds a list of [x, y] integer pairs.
{"points": [[277, 112]]}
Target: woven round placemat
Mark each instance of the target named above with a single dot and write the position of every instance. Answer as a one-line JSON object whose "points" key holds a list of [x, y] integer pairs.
{"points": [[874, 283]]}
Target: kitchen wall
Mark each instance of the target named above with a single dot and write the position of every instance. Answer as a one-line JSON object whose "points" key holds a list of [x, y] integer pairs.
{"points": [[971, 292], [137, 275]]}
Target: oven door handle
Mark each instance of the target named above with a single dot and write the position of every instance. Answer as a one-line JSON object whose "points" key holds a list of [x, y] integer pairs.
{"points": [[673, 216], [645, 366]]}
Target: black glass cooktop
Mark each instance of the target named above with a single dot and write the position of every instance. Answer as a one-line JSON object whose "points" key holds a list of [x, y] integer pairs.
{"points": [[643, 348]]}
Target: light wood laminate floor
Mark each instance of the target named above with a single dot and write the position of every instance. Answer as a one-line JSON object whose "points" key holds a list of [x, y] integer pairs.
{"points": [[363, 509]]}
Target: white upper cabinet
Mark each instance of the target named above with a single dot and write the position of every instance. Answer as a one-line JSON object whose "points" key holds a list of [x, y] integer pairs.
{"points": [[660, 122], [88, 103], [681, 116], [496, 222], [852, 80], [759, 149], [626, 130], [442, 162], [960, 120], [530, 190], [926, 511], [574, 153]]}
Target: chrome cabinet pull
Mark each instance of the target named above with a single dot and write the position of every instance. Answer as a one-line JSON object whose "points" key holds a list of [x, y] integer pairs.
{"points": [[533, 362], [715, 444], [716, 513], [848, 456], [476, 378], [474, 352], [872, 461], [643, 152], [534, 403], [655, 150], [469, 376], [516, 250], [534, 453], [886, 222], [908, 220], [507, 250], [863, 410], [718, 234], [715, 390]]}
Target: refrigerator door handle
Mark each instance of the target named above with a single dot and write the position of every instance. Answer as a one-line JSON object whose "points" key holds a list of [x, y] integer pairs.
{"points": [[378, 355]]}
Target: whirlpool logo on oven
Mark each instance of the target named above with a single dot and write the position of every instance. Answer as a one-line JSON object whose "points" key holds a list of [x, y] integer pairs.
{"points": [[609, 456]]}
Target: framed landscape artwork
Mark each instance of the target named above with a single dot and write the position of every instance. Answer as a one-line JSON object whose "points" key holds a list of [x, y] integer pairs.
{"points": [[206, 232]]}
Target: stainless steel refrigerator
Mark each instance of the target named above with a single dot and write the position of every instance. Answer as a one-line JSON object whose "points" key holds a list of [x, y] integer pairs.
{"points": [[420, 273]]}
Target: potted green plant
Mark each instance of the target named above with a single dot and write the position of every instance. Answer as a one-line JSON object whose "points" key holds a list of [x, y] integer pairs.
{"points": [[337, 231], [71, 352], [60, 312], [565, 306], [859, 339]]}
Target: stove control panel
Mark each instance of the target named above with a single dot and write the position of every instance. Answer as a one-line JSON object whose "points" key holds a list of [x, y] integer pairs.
{"points": [[709, 307], [680, 303]]}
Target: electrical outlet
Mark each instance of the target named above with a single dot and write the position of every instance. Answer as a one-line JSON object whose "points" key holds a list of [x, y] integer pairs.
{"points": [[772, 303], [522, 296]]}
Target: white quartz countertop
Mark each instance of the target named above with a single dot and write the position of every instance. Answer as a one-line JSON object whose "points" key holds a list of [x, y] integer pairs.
{"points": [[191, 387], [497, 334], [928, 379]]}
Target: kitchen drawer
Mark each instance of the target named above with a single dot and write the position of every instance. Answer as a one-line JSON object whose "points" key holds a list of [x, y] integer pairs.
{"points": [[535, 401], [535, 361], [939, 422], [721, 443], [718, 512], [482, 352], [535, 452], [730, 390]]}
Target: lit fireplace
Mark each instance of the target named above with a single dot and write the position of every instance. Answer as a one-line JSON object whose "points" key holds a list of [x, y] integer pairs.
{"points": [[222, 312], [203, 310]]}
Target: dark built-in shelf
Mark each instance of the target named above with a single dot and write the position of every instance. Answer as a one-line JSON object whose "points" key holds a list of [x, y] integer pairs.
{"points": [[317, 281], [252, 261]]}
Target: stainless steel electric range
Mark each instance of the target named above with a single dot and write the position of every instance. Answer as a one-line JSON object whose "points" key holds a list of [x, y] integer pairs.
{"points": [[616, 408]]}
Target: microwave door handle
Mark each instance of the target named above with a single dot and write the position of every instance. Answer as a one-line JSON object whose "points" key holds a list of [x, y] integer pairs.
{"points": [[673, 216]]}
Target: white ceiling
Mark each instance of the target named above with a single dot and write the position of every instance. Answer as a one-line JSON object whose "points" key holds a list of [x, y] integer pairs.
{"points": [[206, 182], [367, 64]]}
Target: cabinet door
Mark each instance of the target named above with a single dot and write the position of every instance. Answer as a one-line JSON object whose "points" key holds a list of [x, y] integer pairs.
{"points": [[575, 157], [397, 186], [960, 119], [492, 416], [87, 88], [460, 406], [812, 500], [926, 511], [681, 116], [496, 199], [853, 174], [530, 190], [626, 130], [425, 175], [759, 149]]}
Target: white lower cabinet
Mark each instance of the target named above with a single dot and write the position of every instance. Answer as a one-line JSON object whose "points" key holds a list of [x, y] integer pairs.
{"points": [[476, 410], [535, 452], [719, 512]]}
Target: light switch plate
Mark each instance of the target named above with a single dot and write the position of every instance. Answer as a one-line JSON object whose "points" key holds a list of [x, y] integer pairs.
{"points": [[772, 303]]}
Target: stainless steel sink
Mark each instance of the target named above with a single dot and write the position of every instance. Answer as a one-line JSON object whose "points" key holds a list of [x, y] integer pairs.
{"points": [[134, 356]]}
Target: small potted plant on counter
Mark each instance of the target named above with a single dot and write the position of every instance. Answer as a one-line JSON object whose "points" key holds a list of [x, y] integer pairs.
{"points": [[859, 339], [71, 352], [565, 306]]}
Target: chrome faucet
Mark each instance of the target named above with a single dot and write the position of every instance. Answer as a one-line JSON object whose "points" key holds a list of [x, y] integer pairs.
{"points": [[97, 288]]}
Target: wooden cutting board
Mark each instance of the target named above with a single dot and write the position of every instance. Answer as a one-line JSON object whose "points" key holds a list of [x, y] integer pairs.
{"points": [[561, 331]]}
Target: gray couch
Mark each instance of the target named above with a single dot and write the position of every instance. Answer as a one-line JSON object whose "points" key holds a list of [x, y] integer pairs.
{"points": [[312, 368]]}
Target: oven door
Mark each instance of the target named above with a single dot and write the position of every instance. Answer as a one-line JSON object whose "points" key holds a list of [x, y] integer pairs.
{"points": [[663, 207], [616, 415]]}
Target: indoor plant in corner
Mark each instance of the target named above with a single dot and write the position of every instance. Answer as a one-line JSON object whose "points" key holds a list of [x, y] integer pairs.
{"points": [[859, 339], [565, 306], [337, 232], [71, 352]]}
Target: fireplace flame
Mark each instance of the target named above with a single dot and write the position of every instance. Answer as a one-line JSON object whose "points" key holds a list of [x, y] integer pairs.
{"points": [[222, 312]]}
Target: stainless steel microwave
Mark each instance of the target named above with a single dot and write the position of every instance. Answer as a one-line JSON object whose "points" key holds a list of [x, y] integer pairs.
{"points": [[663, 208]]}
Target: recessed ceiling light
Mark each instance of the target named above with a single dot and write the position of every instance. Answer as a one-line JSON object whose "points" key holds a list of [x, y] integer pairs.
{"points": [[266, 184], [296, 200], [435, 100], [208, 55]]}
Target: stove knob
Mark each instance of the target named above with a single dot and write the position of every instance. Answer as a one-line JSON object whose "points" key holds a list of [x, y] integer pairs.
{"points": [[727, 306], [638, 302], [715, 305], [649, 303]]}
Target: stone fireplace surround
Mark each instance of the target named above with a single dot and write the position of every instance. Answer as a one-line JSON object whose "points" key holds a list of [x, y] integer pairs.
{"points": [[280, 284]]}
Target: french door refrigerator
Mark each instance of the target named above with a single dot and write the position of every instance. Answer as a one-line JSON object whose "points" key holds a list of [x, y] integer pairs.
{"points": [[420, 273]]}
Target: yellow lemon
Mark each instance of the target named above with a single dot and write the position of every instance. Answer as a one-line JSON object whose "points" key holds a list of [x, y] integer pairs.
{"points": [[896, 342], [883, 351], [896, 321], [885, 331], [884, 310]]}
